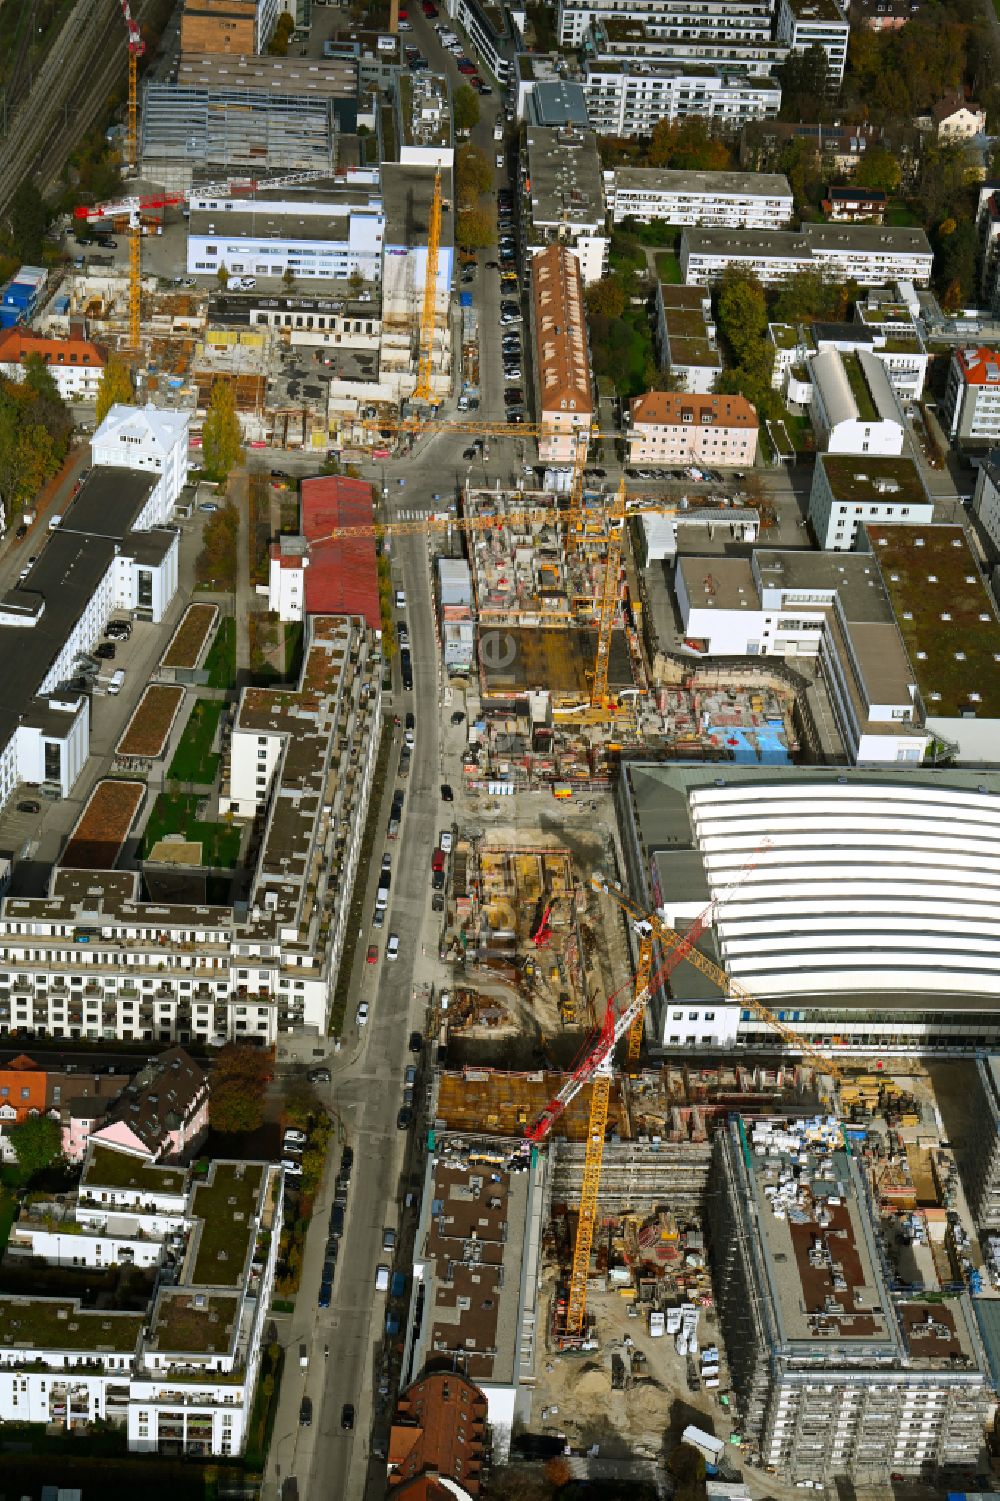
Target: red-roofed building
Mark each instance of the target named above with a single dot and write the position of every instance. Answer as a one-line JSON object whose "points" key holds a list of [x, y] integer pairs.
{"points": [[75, 365], [332, 578], [970, 411], [22, 1093], [439, 1431]]}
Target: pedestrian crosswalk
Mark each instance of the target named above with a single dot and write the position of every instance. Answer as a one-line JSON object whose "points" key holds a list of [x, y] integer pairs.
{"points": [[420, 515]]}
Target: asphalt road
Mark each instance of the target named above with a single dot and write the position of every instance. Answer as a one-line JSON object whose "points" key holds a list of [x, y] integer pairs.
{"points": [[365, 1095]]}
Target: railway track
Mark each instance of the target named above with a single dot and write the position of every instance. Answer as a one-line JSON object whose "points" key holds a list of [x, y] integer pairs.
{"points": [[87, 63]]}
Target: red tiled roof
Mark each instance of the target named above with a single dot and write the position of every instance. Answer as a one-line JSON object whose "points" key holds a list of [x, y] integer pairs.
{"points": [[70, 354], [672, 408], [342, 577], [440, 1430], [22, 1088]]}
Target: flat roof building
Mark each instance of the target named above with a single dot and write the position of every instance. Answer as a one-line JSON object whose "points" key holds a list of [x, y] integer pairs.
{"points": [[476, 1261], [970, 411], [563, 195], [870, 254], [228, 26], [834, 1373], [742, 200], [854, 408], [685, 336], [853, 491]]}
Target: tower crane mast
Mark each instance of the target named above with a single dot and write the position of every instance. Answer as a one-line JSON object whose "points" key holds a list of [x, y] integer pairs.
{"points": [[428, 314]]}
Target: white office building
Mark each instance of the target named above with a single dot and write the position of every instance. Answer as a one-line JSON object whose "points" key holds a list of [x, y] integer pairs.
{"points": [[316, 233], [852, 491], [739, 200], [709, 22], [563, 197], [180, 1375], [802, 605]]}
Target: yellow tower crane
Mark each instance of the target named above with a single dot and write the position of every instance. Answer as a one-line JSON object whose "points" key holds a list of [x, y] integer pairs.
{"points": [[428, 314]]}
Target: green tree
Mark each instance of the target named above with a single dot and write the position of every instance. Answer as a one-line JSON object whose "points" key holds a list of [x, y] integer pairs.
{"points": [[114, 388], [465, 108], [220, 434], [37, 1142], [473, 174], [742, 310], [542, 24], [475, 229], [956, 255], [222, 275], [233, 1107], [607, 297], [800, 162], [808, 296], [283, 28], [238, 1060], [27, 221], [878, 169], [804, 79]]}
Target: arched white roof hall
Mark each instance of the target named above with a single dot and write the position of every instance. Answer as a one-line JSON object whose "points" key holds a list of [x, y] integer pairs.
{"points": [[862, 888]]}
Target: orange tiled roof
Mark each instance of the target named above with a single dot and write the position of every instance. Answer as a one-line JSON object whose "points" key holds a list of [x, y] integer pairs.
{"points": [[560, 331], [16, 344], [22, 1089], [446, 1416], [979, 367], [674, 408]]}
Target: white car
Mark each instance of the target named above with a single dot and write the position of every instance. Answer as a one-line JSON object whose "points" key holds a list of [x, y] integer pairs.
{"points": [[391, 948], [500, 161], [444, 842], [409, 739], [361, 1016], [292, 1168], [295, 1138]]}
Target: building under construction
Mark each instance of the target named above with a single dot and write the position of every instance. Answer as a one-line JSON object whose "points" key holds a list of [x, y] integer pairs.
{"points": [[832, 1373]]}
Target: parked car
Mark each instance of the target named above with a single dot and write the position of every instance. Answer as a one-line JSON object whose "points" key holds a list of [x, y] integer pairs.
{"points": [[404, 1118], [29, 806], [106, 650], [347, 1411], [361, 1015], [447, 796], [392, 947], [416, 1042], [445, 841], [294, 1137], [372, 955], [319, 1076]]}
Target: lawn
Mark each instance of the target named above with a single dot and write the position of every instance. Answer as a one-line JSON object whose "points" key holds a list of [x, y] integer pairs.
{"points": [[626, 253], [897, 213], [220, 664], [177, 813], [194, 760], [668, 268], [626, 351]]}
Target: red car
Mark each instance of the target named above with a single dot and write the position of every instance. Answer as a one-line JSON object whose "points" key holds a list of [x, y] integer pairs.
{"points": [[429, 10], [373, 953]]}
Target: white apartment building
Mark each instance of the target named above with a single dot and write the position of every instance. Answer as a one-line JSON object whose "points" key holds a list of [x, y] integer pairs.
{"points": [[316, 234], [91, 959], [713, 22], [486, 27], [894, 341], [854, 408], [630, 98], [809, 605], [740, 200], [76, 365], [670, 427], [181, 1375], [970, 411], [852, 491], [563, 196], [870, 254], [802, 24], [152, 441]]}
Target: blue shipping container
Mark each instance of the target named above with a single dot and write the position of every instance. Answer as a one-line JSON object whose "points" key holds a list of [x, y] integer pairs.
{"points": [[465, 298], [19, 294]]}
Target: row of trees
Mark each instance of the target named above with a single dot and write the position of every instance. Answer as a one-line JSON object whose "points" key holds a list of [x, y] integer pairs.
{"points": [[743, 318], [473, 180], [35, 428], [691, 145]]}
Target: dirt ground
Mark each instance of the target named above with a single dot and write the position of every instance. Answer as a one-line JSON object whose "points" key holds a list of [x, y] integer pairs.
{"points": [[554, 994]]}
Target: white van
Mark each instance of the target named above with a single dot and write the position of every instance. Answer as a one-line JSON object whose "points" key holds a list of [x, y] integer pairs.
{"points": [[55, 521], [117, 681], [381, 1279]]}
